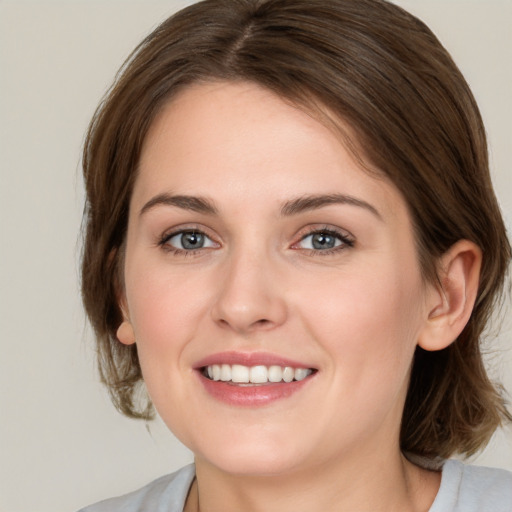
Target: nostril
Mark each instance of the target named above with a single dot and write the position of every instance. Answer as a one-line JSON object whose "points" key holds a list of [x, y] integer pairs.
{"points": [[248, 311], [263, 323], [255, 323]]}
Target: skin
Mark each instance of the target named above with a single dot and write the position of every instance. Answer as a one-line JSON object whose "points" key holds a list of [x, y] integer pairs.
{"points": [[355, 314]]}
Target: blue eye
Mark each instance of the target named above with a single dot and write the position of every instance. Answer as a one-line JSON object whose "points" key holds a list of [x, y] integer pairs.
{"points": [[324, 240], [188, 241]]}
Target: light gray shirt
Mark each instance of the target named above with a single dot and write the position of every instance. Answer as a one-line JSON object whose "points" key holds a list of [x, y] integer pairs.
{"points": [[463, 489]]}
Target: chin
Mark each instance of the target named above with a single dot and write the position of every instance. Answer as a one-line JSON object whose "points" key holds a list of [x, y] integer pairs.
{"points": [[255, 458]]}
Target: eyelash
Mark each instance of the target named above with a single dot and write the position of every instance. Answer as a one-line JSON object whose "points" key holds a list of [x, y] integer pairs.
{"points": [[163, 242], [346, 242]]}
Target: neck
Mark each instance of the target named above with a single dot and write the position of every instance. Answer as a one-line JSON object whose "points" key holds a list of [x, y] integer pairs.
{"points": [[362, 484]]}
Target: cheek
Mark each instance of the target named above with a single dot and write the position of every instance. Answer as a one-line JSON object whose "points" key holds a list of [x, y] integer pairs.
{"points": [[164, 311], [368, 321], [163, 306]]}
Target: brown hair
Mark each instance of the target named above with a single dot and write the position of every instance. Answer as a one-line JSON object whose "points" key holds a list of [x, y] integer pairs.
{"points": [[366, 62]]}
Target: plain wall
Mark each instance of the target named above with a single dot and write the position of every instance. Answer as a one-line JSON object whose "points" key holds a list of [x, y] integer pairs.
{"points": [[62, 444]]}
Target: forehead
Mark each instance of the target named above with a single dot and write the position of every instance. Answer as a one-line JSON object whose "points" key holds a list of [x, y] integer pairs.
{"points": [[239, 140]]}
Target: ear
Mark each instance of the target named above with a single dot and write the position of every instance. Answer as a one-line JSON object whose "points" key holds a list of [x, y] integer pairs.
{"points": [[125, 333], [450, 302]]}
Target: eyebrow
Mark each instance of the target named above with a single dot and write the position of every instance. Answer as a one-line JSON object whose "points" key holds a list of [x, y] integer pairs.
{"points": [[313, 202], [289, 208], [195, 204]]}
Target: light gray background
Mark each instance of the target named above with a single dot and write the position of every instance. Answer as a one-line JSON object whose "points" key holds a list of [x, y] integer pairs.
{"points": [[62, 445]]}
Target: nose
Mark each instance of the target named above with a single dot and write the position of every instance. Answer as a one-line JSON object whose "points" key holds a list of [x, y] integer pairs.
{"points": [[250, 297]]}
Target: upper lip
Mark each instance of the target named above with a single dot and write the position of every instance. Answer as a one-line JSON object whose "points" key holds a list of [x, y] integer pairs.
{"points": [[249, 359]]}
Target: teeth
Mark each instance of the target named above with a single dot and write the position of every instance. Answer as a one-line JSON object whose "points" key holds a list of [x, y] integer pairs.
{"points": [[225, 373], [239, 373], [260, 374], [275, 374], [288, 374], [301, 373]]}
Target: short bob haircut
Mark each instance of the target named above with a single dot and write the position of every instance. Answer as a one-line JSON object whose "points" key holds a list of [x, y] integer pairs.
{"points": [[367, 64]]}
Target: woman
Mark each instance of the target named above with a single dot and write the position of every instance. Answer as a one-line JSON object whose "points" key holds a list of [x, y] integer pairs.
{"points": [[293, 243]]}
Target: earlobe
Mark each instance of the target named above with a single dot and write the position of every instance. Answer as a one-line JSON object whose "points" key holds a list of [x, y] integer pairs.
{"points": [[125, 333], [451, 301]]}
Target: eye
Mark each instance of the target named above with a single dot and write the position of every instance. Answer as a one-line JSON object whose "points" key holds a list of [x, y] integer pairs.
{"points": [[187, 240], [324, 240]]}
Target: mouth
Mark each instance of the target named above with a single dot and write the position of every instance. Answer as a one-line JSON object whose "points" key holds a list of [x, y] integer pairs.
{"points": [[253, 379], [258, 375]]}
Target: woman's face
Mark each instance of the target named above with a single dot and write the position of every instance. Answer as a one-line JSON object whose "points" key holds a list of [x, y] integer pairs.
{"points": [[257, 247]]}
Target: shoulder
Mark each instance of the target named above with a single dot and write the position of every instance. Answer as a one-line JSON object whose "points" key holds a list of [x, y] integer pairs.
{"points": [[166, 494], [466, 488]]}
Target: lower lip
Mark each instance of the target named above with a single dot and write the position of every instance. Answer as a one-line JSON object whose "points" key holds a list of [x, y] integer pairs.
{"points": [[252, 396]]}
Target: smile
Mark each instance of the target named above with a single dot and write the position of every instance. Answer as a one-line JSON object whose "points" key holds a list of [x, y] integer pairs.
{"points": [[255, 375], [253, 379]]}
